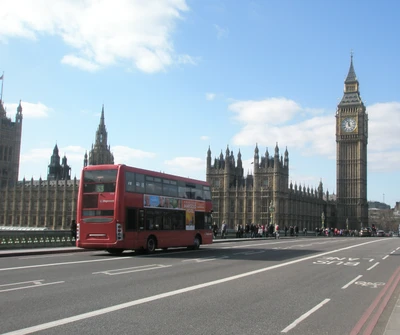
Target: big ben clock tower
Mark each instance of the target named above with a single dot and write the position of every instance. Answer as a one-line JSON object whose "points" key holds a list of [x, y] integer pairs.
{"points": [[351, 156]]}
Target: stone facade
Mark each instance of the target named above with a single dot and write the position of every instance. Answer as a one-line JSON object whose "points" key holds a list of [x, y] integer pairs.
{"points": [[39, 203], [50, 203], [10, 145], [265, 196]]}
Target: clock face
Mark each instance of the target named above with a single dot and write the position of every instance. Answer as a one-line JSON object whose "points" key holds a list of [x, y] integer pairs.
{"points": [[349, 124]]}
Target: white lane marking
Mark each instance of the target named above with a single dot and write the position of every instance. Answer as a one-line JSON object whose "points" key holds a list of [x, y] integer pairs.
{"points": [[385, 257], [37, 283], [64, 263], [128, 304], [369, 284], [351, 282], [132, 269], [205, 259], [398, 248], [304, 316], [370, 268], [249, 245], [22, 282], [251, 252], [393, 252], [47, 256]]}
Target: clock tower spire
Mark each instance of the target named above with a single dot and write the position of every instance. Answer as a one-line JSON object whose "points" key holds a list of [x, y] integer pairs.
{"points": [[351, 155]]}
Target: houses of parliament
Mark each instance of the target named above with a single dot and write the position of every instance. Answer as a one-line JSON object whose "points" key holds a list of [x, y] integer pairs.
{"points": [[263, 197]]}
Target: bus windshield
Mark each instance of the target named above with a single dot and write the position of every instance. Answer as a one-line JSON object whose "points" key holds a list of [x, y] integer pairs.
{"points": [[99, 181]]}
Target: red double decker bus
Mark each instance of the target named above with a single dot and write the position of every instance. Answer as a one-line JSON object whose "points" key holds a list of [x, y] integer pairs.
{"points": [[126, 208]]}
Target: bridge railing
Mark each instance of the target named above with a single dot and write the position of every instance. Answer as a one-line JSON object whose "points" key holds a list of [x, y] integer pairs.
{"points": [[19, 239]]}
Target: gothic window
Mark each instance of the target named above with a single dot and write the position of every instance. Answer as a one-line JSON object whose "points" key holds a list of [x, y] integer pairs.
{"points": [[264, 205], [215, 205], [249, 205], [240, 205], [101, 138], [232, 206]]}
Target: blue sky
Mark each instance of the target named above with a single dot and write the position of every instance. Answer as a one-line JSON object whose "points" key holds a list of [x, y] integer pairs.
{"points": [[178, 76]]}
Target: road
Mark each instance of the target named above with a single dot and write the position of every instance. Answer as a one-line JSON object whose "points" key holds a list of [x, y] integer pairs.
{"points": [[287, 286]]}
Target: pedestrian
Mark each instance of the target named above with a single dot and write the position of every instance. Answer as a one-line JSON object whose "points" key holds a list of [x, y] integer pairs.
{"points": [[223, 229], [276, 231], [215, 230], [73, 232]]}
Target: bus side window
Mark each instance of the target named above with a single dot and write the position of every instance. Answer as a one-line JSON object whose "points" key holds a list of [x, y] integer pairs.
{"points": [[199, 220], [131, 219], [141, 219]]}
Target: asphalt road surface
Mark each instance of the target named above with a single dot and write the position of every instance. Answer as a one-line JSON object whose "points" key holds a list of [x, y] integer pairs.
{"points": [[288, 286]]}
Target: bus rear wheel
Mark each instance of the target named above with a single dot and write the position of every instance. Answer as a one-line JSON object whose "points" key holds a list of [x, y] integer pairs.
{"points": [[196, 243], [151, 245], [115, 251]]}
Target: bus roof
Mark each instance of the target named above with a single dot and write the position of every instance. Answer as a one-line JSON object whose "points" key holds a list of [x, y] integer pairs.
{"points": [[143, 171]]}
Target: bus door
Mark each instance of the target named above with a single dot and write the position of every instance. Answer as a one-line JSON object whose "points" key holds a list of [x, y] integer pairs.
{"points": [[140, 235], [134, 223]]}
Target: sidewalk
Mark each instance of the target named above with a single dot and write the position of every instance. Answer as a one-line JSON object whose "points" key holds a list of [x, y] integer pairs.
{"points": [[393, 325]]}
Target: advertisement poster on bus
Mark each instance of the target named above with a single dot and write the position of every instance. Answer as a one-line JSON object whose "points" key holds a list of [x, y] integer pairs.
{"points": [[160, 201], [191, 206]]}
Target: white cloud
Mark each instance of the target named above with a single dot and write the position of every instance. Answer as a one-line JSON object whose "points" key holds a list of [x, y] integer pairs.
{"points": [[129, 156], [221, 32], [312, 132], [273, 110], [29, 109], [80, 63], [192, 167], [210, 96], [103, 32], [204, 138], [186, 59]]}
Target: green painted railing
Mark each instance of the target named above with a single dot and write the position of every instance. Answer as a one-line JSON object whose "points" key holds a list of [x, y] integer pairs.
{"points": [[12, 239]]}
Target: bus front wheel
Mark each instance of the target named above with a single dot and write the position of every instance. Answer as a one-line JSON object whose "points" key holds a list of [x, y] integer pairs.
{"points": [[151, 245]]}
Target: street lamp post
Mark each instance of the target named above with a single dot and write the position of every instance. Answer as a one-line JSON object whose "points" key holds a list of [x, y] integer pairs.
{"points": [[323, 220], [271, 210], [347, 224]]}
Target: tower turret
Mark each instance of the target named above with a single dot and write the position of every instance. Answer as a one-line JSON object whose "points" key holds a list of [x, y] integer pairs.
{"points": [[208, 158], [320, 190], [101, 153], [286, 162], [256, 161]]}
